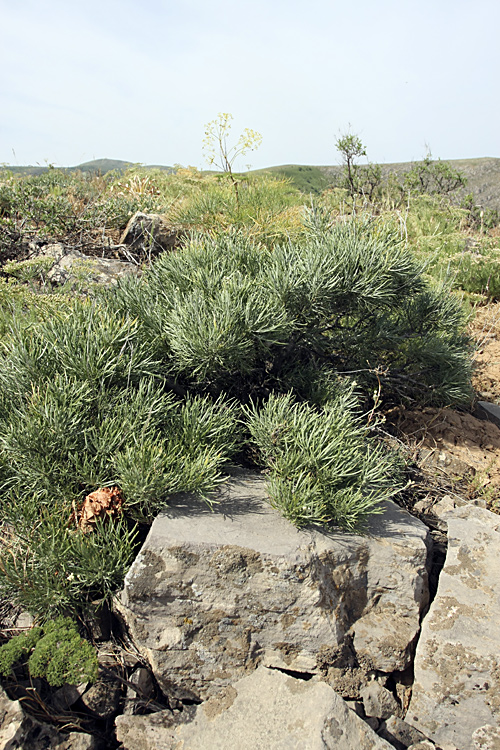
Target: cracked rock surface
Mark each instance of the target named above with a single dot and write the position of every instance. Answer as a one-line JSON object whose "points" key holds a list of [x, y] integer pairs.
{"points": [[456, 694], [266, 709], [214, 594]]}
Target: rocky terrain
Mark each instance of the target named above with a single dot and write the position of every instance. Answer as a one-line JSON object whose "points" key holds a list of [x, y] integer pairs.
{"points": [[234, 629]]}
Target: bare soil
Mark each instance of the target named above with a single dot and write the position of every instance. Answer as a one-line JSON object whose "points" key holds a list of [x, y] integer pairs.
{"points": [[456, 446]]}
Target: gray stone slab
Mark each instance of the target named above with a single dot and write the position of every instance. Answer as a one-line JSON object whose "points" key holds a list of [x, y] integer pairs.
{"points": [[214, 594], [486, 410], [457, 666], [267, 710]]}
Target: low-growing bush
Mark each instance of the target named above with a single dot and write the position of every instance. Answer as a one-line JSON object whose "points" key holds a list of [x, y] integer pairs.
{"points": [[478, 272], [226, 314], [226, 347], [323, 467]]}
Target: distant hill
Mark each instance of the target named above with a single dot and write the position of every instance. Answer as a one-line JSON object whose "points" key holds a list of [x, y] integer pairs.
{"points": [[102, 166], [305, 178], [97, 166], [108, 165], [483, 175]]}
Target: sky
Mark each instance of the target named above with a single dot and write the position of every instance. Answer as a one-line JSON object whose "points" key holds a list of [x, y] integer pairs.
{"points": [[138, 81]]}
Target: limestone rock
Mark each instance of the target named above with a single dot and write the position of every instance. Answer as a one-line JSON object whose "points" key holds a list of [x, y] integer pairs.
{"points": [[148, 234], [20, 731], [400, 734], [69, 265], [456, 693], [78, 268], [214, 594], [139, 690], [378, 701], [77, 741], [103, 697], [67, 696], [269, 710], [152, 732], [485, 410]]}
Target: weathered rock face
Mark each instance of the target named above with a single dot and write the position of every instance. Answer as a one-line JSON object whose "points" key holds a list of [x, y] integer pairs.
{"points": [[267, 709], [71, 265], [149, 233], [214, 594], [456, 695], [19, 730]]}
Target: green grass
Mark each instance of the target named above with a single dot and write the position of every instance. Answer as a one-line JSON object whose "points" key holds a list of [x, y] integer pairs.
{"points": [[309, 180]]}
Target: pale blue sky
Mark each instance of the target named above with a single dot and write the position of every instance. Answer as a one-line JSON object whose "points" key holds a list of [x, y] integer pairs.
{"points": [[85, 79]]}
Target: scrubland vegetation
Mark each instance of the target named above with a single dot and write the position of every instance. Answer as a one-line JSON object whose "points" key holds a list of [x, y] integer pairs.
{"points": [[274, 336]]}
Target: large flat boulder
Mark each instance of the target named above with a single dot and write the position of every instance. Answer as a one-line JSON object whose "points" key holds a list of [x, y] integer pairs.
{"points": [[214, 594], [67, 265], [267, 710], [456, 694]]}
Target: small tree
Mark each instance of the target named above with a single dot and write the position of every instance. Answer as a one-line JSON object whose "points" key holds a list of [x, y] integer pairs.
{"points": [[357, 180], [219, 153], [351, 148]]}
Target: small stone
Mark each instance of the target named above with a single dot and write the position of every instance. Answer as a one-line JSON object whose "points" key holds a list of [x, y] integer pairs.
{"points": [[103, 697], [399, 733], [357, 707], [151, 732], [378, 701], [143, 681], [143, 688], [485, 410], [150, 233], [79, 741], [67, 696]]}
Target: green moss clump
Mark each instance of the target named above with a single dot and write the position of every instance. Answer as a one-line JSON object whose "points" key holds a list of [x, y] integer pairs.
{"points": [[18, 646], [58, 653]]}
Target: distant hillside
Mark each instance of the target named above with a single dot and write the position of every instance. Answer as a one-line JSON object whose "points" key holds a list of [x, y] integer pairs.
{"points": [[97, 166], [103, 165], [483, 175], [108, 165], [305, 178]]}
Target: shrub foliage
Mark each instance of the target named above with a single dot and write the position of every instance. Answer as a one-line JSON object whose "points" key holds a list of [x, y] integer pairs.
{"points": [[225, 347]]}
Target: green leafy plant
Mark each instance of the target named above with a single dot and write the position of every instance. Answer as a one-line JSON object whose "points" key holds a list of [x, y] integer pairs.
{"points": [[323, 467], [433, 177], [29, 270], [357, 179], [220, 154], [55, 651], [50, 569], [478, 272], [244, 342]]}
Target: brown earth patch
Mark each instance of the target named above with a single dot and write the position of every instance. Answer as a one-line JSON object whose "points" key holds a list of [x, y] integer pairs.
{"points": [[455, 446], [485, 328]]}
